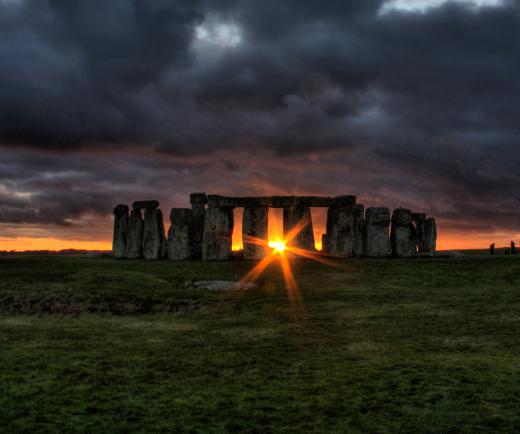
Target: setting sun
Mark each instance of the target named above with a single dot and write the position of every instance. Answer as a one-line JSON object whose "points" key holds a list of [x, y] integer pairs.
{"points": [[279, 246]]}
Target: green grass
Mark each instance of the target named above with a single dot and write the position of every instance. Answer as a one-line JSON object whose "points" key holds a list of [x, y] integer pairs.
{"points": [[101, 345]]}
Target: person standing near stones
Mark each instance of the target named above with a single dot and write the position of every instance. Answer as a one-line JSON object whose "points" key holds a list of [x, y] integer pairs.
{"points": [[492, 249], [513, 248]]}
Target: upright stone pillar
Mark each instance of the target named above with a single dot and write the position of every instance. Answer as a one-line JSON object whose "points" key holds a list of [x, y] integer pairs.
{"points": [[344, 236], [403, 235], [377, 232], [120, 231], [419, 219], [297, 225], [154, 241], [180, 234], [198, 202], [218, 230], [255, 231], [134, 240], [359, 230], [430, 235]]}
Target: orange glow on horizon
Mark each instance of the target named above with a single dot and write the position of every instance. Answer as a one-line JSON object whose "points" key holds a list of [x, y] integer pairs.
{"points": [[53, 244]]}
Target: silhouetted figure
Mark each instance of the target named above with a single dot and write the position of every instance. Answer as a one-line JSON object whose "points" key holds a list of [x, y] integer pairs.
{"points": [[492, 249], [513, 248]]}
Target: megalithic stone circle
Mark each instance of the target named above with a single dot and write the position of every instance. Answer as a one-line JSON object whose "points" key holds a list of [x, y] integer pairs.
{"points": [[134, 240], [154, 241], [120, 231], [403, 234], [180, 234], [198, 202], [340, 231], [419, 220], [430, 230], [359, 230], [377, 232], [255, 231], [297, 227], [218, 230]]}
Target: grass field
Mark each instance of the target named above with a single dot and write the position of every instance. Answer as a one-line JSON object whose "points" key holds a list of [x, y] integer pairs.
{"points": [[101, 345]]}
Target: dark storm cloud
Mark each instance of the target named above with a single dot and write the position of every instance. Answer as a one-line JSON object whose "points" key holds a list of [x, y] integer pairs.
{"points": [[101, 102]]}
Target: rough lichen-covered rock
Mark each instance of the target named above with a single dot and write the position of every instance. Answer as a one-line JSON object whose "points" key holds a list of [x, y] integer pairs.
{"points": [[403, 234], [254, 231], [134, 240], [180, 234], [218, 230], [154, 241], [198, 202], [377, 232], [430, 235], [120, 231], [297, 227]]}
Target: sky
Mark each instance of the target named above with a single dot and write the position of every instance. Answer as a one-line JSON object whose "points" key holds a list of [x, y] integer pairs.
{"points": [[401, 103]]}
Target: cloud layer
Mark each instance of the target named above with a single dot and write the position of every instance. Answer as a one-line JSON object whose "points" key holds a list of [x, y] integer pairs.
{"points": [[107, 102]]}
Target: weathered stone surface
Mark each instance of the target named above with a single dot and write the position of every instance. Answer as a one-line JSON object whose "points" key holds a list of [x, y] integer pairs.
{"points": [[430, 235], [154, 242], [280, 201], [403, 234], [134, 240], [140, 204], [377, 232], [218, 230], [180, 234], [120, 231], [254, 231], [198, 202], [297, 227], [340, 231]]}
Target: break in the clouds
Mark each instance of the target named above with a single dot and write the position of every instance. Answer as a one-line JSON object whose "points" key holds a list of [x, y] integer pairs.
{"points": [[410, 103]]}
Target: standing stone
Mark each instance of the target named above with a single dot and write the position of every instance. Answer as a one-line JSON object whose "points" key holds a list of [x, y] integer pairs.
{"points": [[218, 230], [297, 225], [254, 231], [359, 230], [154, 242], [419, 220], [377, 228], [325, 244], [198, 201], [120, 231], [403, 235], [340, 231], [134, 240], [430, 231], [180, 234]]}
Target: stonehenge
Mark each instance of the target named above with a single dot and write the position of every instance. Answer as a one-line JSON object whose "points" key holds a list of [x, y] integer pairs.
{"points": [[134, 239], [403, 234], [205, 230], [377, 227], [297, 227], [218, 230], [120, 231], [180, 234], [254, 231]]}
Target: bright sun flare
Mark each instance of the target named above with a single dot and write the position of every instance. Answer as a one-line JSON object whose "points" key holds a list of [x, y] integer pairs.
{"points": [[279, 246]]}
